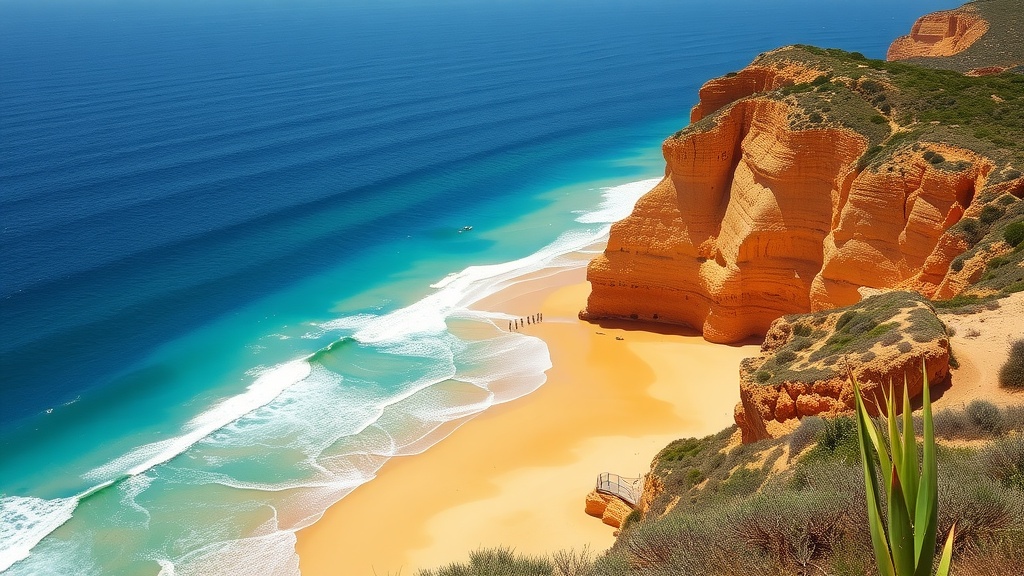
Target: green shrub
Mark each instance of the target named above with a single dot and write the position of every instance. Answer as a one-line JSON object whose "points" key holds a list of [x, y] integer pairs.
{"points": [[1011, 375], [741, 482], [687, 447], [997, 262], [952, 424], [1013, 417], [985, 415], [805, 435], [1003, 461], [845, 319], [794, 529], [972, 230], [990, 213], [836, 433], [783, 357], [763, 376], [802, 330], [1014, 233], [496, 562], [981, 508], [802, 343]]}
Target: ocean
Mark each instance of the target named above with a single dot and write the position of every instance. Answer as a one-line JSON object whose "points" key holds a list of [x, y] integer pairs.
{"points": [[240, 240]]}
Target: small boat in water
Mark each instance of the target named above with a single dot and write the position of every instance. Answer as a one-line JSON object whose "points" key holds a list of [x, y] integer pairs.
{"points": [[465, 229]]}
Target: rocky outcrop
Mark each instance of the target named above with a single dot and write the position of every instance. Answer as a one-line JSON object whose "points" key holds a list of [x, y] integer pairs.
{"points": [[719, 92], [805, 361], [942, 33], [609, 509], [769, 207]]}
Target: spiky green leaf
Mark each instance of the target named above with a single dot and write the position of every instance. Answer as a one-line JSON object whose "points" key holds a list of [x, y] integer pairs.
{"points": [[926, 515], [901, 533], [867, 435], [947, 554], [908, 469]]}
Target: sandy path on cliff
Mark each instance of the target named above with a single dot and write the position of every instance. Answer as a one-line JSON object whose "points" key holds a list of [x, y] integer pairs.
{"points": [[518, 474]]}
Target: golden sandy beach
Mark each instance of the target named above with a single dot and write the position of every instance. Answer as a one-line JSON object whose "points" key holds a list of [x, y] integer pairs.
{"points": [[518, 474]]}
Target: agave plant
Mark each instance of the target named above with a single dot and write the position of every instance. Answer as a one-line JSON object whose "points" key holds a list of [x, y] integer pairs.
{"points": [[904, 541]]}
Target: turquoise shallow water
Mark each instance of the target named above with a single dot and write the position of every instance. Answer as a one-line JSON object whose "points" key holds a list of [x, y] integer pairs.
{"points": [[233, 280]]}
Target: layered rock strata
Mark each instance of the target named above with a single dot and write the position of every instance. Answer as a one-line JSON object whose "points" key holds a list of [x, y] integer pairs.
{"points": [[940, 34], [759, 216]]}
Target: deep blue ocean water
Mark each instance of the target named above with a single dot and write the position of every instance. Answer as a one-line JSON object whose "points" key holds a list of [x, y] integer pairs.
{"points": [[232, 277]]}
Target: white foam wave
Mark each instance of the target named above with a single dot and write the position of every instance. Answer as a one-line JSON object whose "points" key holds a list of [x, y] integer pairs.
{"points": [[266, 387], [24, 521], [618, 202]]}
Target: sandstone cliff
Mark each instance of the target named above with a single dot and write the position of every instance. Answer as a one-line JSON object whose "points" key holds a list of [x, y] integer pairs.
{"points": [[979, 38], [940, 34], [805, 176]]}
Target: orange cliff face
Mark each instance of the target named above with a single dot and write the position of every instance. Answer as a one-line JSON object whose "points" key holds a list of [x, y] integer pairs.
{"points": [[890, 229], [732, 238], [721, 92], [756, 219], [940, 34]]}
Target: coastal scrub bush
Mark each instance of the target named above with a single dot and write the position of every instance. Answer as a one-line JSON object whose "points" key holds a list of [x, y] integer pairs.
{"points": [[679, 449], [1013, 416], [985, 416], [1003, 461], [980, 507], [794, 529], [990, 213], [573, 563], [952, 424], [1011, 375], [496, 562], [1014, 233], [805, 435], [741, 482], [785, 357], [836, 432]]}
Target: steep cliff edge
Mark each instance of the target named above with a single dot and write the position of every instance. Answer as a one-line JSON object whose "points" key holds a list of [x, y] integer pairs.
{"points": [[807, 175]]}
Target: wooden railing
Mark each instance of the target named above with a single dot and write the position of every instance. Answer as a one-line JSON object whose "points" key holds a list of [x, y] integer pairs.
{"points": [[626, 489]]}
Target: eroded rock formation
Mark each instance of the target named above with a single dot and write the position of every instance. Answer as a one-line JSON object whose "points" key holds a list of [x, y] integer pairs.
{"points": [[609, 509], [942, 33], [805, 361]]}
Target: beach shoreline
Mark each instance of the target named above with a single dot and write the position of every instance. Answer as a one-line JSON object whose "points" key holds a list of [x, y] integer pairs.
{"points": [[517, 475]]}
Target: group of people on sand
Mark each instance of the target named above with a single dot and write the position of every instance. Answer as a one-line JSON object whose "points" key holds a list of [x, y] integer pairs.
{"points": [[520, 322]]}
